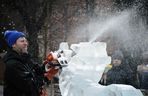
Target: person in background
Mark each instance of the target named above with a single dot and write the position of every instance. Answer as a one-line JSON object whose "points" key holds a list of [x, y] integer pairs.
{"points": [[118, 74], [142, 70], [22, 76]]}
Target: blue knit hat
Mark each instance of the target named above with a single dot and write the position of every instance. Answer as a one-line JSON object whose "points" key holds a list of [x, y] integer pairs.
{"points": [[11, 36]]}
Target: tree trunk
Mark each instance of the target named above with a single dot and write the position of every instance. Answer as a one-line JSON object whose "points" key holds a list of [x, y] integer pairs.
{"points": [[65, 20], [90, 5], [33, 39]]}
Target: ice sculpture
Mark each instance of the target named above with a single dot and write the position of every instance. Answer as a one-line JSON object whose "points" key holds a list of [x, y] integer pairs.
{"points": [[84, 71]]}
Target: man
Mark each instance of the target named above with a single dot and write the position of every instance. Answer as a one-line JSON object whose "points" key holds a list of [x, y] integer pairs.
{"points": [[22, 76], [118, 74]]}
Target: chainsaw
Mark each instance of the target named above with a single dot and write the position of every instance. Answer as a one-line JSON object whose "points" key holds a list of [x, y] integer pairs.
{"points": [[53, 62]]}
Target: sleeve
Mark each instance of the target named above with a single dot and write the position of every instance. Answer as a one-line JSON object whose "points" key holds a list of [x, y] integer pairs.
{"points": [[40, 69], [21, 78]]}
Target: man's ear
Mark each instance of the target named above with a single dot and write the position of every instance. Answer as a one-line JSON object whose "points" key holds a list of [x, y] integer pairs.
{"points": [[14, 45]]}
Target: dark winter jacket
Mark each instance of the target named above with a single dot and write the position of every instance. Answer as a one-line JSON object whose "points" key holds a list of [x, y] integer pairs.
{"points": [[143, 77], [22, 76], [118, 75]]}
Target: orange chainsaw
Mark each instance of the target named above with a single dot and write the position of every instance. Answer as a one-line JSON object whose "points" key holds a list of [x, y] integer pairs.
{"points": [[53, 63]]}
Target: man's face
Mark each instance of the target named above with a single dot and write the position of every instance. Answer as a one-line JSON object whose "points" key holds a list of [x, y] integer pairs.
{"points": [[116, 62], [21, 45]]}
